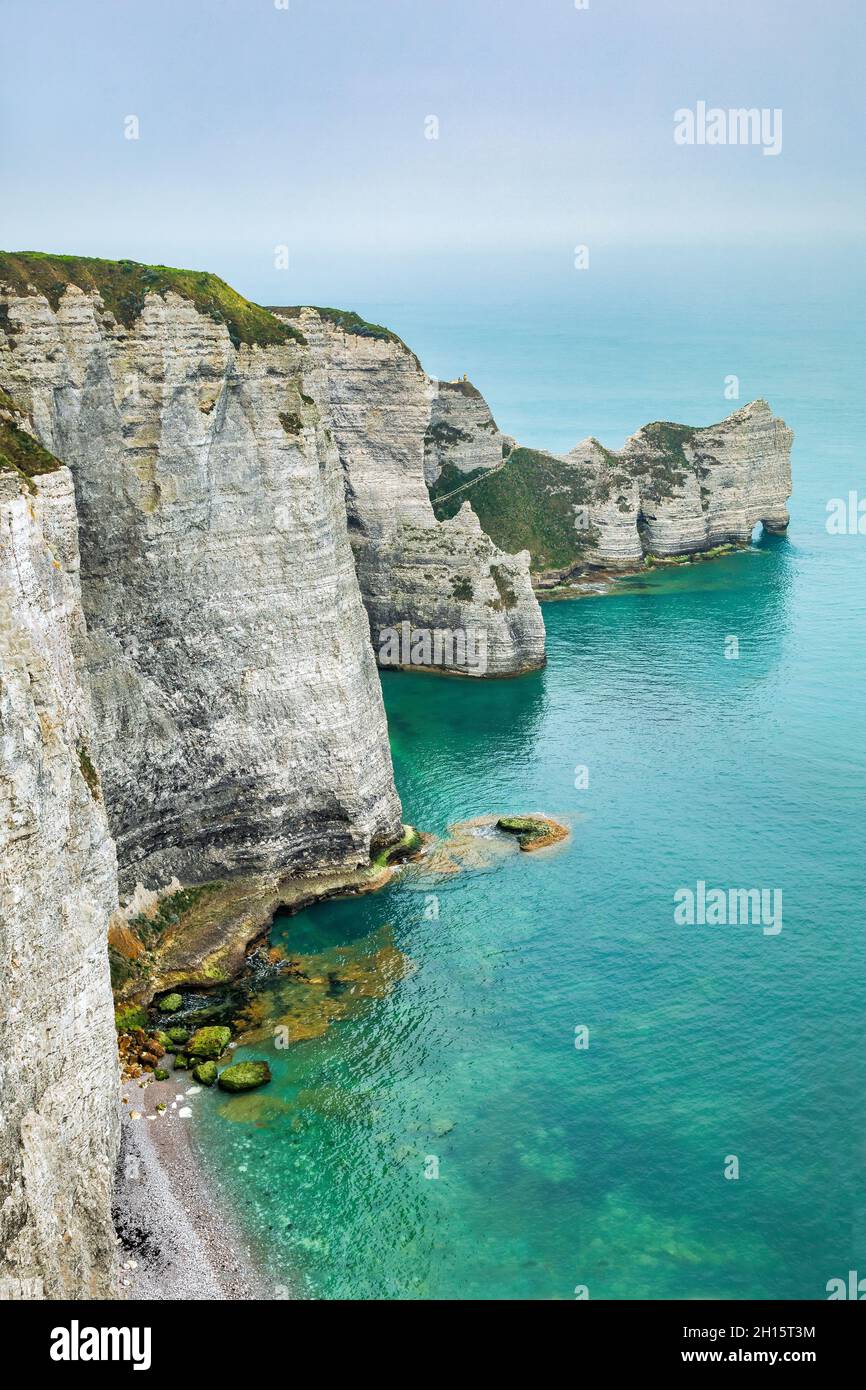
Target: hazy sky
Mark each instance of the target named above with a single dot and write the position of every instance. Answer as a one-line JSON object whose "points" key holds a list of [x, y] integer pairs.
{"points": [[305, 127]]}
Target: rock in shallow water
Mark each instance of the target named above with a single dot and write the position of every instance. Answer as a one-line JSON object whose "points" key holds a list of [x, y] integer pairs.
{"points": [[209, 1042], [244, 1076], [533, 832]]}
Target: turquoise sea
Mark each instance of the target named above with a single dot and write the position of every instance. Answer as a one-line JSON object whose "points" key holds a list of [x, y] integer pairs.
{"points": [[604, 1167]]}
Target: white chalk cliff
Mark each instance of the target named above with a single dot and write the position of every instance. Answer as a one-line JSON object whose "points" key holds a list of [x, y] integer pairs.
{"points": [[676, 490], [385, 415], [671, 490], [239, 719], [59, 1099]]}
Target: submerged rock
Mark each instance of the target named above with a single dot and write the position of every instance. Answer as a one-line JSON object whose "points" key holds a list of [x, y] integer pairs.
{"points": [[533, 832], [244, 1076], [324, 988], [209, 1042], [473, 845], [205, 1072]]}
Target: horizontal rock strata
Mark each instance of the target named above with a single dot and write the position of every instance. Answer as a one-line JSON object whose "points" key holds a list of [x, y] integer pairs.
{"points": [[671, 490], [462, 435], [238, 713], [451, 579]]}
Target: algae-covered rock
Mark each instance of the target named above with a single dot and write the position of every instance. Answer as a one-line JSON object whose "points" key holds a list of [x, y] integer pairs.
{"points": [[244, 1076], [170, 1003], [165, 1040], [178, 1036], [160, 1074], [205, 1072], [130, 1016], [181, 1063], [410, 842], [533, 832], [209, 1042]]}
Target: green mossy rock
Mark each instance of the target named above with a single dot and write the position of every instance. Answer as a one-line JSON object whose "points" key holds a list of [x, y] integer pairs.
{"points": [[160, 1074], [164, 1040], [177, 1036], [522, 825], [244, 1076], [533, 832], [409, 843], [181, 1063], [206, 1073], [130, 1016], [209, 1042], [170, 1004]]}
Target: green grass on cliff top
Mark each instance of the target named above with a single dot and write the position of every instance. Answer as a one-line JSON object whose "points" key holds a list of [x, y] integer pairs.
{"points": [[123, 285], [349, 321], [528, 504]]}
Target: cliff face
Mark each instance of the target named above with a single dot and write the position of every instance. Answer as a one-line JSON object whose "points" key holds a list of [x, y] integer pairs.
{"points": [[462, 435], [671, 490], [382, 410], [238, 714], [699, 488], [58, 887]]}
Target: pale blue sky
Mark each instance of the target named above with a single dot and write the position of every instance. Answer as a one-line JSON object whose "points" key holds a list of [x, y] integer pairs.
{"points": [[305, 127]]}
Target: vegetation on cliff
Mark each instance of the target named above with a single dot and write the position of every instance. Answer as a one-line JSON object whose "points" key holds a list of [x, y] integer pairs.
{"points": [[88, 771], [123, 286], [20, 453], [660, 463], [349, 322], [347, 319], [527, 504]]}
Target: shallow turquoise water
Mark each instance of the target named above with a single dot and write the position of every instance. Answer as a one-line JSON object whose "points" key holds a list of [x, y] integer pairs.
{"points": [[604, 1167]]}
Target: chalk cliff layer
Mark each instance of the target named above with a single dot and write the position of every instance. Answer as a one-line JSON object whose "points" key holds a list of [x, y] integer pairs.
{"points": [[238, 714], [58, 888], [389, 419], [407, 441], [671, 490], [675, 490]]}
